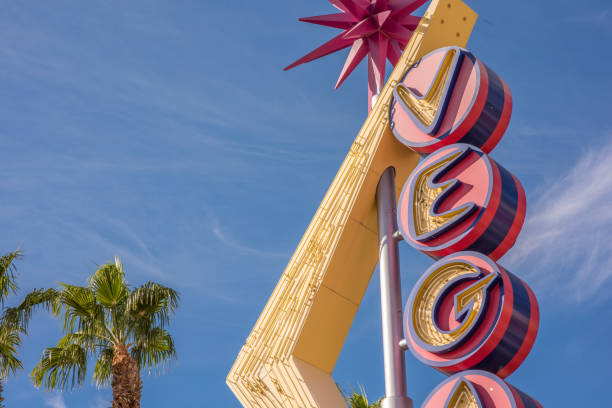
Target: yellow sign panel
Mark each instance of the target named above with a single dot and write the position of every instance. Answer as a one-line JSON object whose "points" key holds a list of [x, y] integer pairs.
{"points": [[289, 356]]}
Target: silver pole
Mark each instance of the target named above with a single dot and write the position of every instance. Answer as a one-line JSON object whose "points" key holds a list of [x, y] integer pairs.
{"points": [[391, 295]]}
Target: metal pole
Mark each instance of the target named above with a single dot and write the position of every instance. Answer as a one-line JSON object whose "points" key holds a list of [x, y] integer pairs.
{"points": [[391, 295]]}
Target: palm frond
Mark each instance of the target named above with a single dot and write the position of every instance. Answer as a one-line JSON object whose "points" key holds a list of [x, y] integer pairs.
{"points": [[19, 316], [79, 308], [7, 274], [154, 302], [104, 368], [61, 367], [10, 340], [88, 341], [108, 284], [359, 399], [154, 350]]}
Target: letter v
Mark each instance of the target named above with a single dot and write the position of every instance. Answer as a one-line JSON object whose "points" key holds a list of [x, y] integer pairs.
{"points": [[428, 111]]}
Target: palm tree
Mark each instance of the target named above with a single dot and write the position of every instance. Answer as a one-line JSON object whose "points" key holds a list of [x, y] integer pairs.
{"points": [[124, 328], [10, 332], [360, 400]]}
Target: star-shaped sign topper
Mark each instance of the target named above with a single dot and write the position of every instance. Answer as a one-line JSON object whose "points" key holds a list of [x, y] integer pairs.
{"points": [[378, 29]]}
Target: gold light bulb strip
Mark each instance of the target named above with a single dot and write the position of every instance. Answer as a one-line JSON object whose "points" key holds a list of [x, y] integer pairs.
{"points": [[425, 108], [428, 294], [289, 356], [463, 397], [424, 196]]}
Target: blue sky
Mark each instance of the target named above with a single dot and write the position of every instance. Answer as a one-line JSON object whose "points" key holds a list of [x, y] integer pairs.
{"points": [[166, 133]]}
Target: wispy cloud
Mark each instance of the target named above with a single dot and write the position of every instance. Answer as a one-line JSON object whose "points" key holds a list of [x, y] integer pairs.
{"points": [[594, 17], [134, 251], [56, 401], [132, 87], [556, 131], [566, 243], [227, 239]]}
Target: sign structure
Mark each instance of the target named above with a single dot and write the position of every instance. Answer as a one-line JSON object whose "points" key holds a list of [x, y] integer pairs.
{"points": [[440, 114], [477, 389], [458, 198], [467, 312]]}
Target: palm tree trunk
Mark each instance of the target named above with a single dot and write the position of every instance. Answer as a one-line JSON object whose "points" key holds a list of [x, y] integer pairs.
{"points": [[126, 383], [1, 399]]}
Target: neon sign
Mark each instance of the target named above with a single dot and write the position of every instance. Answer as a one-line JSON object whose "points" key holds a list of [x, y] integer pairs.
{"points": [[449, 97], [458, 199], [467, 312], [478, 389]]}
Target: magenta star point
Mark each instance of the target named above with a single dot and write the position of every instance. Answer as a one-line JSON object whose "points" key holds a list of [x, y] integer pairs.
{"points": [[378, 29]]}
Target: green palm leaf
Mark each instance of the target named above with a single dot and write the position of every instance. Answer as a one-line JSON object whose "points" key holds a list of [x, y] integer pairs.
{"points": [[7, 274], [108, 285], [61, 367], [11, 324], [20, 316], [153, 302], [107, 320], [359, 399], [104, 366], [154, 350], [10, 340]]}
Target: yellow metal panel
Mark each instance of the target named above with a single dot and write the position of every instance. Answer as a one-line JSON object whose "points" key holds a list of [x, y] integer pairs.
{"points": [[343, 275], [452, 23], [324, 390], [323, 333], [314, 303]]}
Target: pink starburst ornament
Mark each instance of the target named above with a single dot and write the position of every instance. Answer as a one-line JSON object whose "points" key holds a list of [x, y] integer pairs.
{"points": [[378, 29]]}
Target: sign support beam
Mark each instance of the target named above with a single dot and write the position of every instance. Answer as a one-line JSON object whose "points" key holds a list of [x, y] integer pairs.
{"points": [[391, 295]]}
